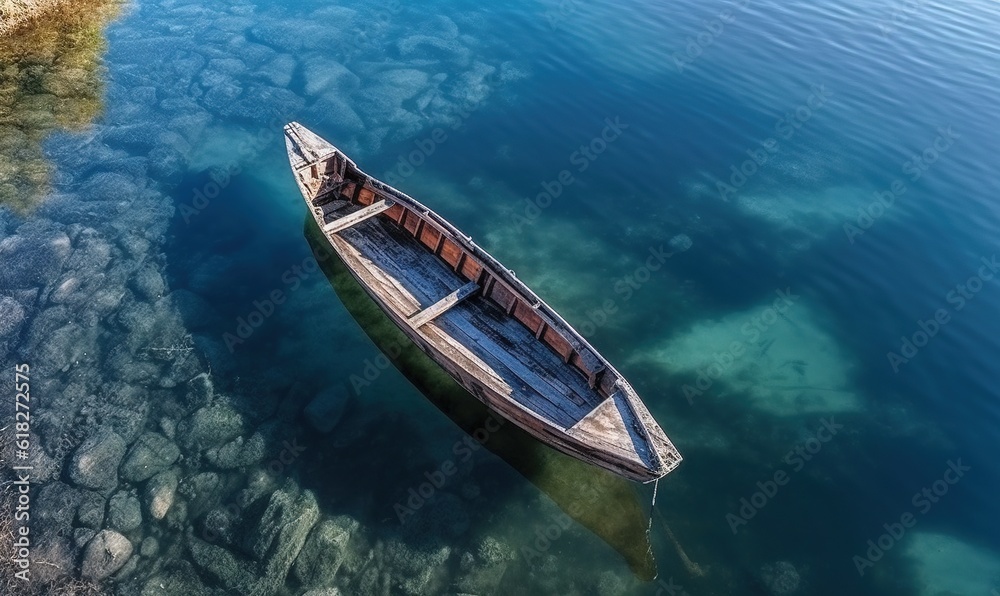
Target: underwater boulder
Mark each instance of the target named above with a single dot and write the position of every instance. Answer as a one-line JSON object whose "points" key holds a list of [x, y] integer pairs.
{"points": [[148, 283], [12, 317], [32, 261], [150, 454], [211, 426], [90, 513], [780, 578], [106, 553], [160, 493], [124, 512], [324, 551], [95, 462]]}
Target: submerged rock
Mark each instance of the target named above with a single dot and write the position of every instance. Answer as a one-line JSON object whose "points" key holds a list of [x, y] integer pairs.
{"points": [[278, 537], [31, 261], [211, 426], [150, 454], [221, 525], [263, 104], [106, 553], [12, 317], [322, 74], [221, 565], [681, 243], [324, 551], [124, 512], [781, 578], [167, 164], [278, 71], [491, 551], [221, 97], [239, 452], [43, 466], [293, 36], [202, 491], [137, 139], [428, 46], [259, 485], [482, 572], [179, 577], [338, 113], [148, 283], [108, 186], [61, 349], [90, 514], [471, 88], [230, 66], [123, 364], [254, 55], [139, 319], [95, 462], [149, 547], [413, 566], [382, 102], [200, 390], [160, 493]]}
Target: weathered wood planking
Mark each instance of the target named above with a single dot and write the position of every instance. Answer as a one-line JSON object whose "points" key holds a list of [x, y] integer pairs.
{"points": [[441, 306], [342, 223], [492, 334]]}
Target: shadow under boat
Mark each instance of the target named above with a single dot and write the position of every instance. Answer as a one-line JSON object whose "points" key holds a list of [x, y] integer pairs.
{"points": [[607, 505]]}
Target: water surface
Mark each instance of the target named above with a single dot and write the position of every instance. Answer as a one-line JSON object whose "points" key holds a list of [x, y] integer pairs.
{"points": [[751, 143]]}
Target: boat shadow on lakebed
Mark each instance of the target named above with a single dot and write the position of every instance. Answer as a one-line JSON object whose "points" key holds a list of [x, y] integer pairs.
{"points": [[603, 503]]}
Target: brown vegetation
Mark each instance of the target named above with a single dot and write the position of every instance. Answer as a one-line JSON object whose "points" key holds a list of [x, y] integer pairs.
{"points": [[50, 78], [14, 13], [9, 583]]}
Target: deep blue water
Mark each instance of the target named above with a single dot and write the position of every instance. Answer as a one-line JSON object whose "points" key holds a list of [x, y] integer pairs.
{"points": [[844, 100]]}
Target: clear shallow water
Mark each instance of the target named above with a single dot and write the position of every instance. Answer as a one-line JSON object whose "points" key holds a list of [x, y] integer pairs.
{"points": [[193, 90]]}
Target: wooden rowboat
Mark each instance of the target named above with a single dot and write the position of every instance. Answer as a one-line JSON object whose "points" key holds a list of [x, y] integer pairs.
{"points": [[473, 317]]}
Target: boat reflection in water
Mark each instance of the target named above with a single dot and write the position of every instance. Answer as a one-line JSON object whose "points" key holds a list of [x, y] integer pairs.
{"points": [[606, 504]]}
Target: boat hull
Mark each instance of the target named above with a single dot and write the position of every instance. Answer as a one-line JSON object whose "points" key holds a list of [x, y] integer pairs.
{"points": [[492, 335]]}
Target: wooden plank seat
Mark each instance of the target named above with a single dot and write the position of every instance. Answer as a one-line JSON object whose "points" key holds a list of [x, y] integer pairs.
{"points": [[357, 217], [443, 305]]}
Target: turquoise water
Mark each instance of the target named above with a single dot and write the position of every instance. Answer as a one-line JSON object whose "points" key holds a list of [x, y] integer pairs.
{"points": [[817, 330]]}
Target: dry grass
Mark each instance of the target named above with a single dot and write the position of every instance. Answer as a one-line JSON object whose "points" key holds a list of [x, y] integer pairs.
{"points": [[35, 20], [9, 584], [14, 13]]}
